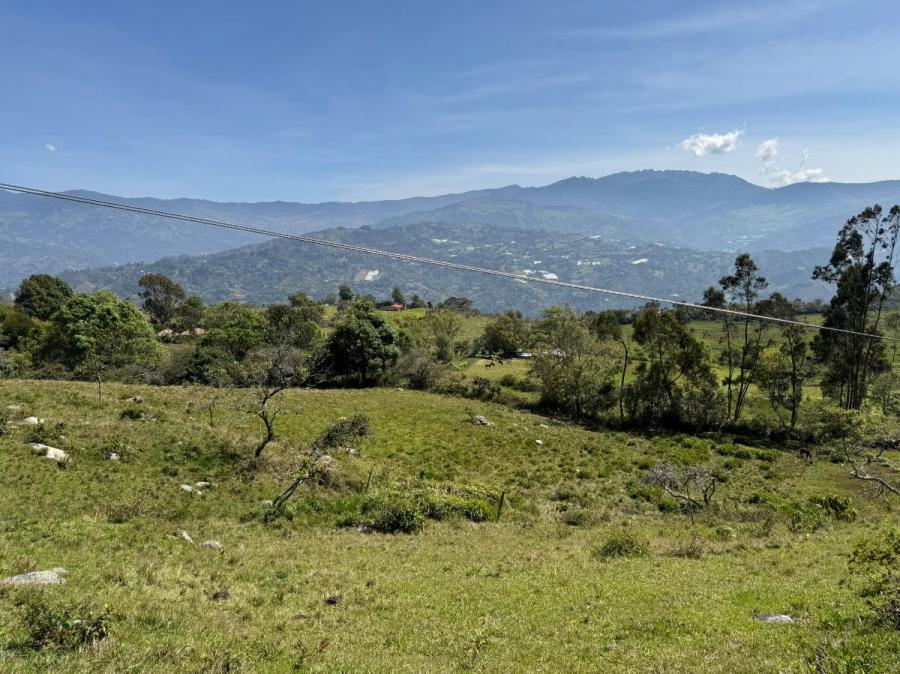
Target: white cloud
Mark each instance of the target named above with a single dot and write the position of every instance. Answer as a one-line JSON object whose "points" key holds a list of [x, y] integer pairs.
{"points": [[803, 175], [51, 147], [702, 144], [767, 150]]}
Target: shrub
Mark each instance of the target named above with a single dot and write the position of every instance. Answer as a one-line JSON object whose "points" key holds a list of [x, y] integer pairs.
{"points": [[47, 434], [485, 389], [691, 549], [819, 512], [115, 444], [5, 429], [393, 513], [132, 411], [576, 518], [879, 560], [441, 507], [340, 432], [62, 627], [725, 534], [621, 543], [509, 380]]}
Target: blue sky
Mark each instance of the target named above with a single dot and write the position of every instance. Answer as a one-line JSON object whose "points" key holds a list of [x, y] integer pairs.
{"points": [[315, 101]]}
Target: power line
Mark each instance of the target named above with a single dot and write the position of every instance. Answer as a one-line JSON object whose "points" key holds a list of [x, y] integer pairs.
{"points": [[419, 260]]}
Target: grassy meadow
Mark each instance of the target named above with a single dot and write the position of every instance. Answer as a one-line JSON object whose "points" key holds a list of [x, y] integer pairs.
{"points": [[586, 570]]}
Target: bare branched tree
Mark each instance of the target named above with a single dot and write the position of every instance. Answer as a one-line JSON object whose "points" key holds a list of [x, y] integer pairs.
{"points": [[866, 457], [679, 481], [314, 463]]}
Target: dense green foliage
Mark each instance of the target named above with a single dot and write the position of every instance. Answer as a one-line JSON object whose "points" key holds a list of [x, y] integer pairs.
{"points": [[99, 332], [862, 269], [41, 295], [361, 348]]}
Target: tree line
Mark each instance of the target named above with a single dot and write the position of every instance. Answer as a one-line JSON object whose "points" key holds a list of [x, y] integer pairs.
{"points": [[646, 367]]}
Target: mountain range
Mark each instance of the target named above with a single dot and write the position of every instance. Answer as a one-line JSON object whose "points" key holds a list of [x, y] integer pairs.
{"points": [[678, 215]]}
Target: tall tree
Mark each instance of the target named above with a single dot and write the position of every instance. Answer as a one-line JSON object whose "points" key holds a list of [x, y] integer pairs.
{"points": [[362, 346], [741, 290], [862, 269], [605, 325], [786, 367], [41, 295], [161, 296], [675, 382], [345, 293], [94, 333], [443, 327], [397, 296], [506, 334], [575, 369]]}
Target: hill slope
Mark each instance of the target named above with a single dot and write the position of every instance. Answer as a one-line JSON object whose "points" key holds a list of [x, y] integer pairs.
{"points": [[533, 591], [270, 271]]}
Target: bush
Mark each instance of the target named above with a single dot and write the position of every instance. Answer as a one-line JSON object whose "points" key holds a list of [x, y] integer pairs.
{"points": [[576, 518], [340, 432], [725, 534], [64, 627], [132, 411], [509, 380], [622, 543], [392, 514], [879, 560], [819, 512], [447, 507], [46, 434], [5, 429], [485, 389]]}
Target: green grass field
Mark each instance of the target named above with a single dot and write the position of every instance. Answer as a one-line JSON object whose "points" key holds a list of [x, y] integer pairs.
{"points": [[525, 593]]}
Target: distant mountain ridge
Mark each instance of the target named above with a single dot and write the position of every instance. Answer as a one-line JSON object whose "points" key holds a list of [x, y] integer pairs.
{"points": [[702, 211]]}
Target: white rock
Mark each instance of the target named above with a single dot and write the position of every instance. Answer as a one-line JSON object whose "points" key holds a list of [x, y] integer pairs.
{"points": [[48, 452], [113, 456], [32, 421], [57, 455], [539, 442], [212, 545], [185, 535], [776, 618], [267, 503], [325, 460], [482, 421], [186, 487], [543, 425], [202, 485], [52, 576]]}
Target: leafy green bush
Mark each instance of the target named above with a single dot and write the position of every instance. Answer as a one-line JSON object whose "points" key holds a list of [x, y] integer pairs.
{"points": [[878, 560], [621, 543], [5, 429], [485, 389], [746, 453], [341, 432], [132, 411], [392, 514], [819, 512], [47, 434], [442, 507], [509, 379], [62, 627], [724, 534]]}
